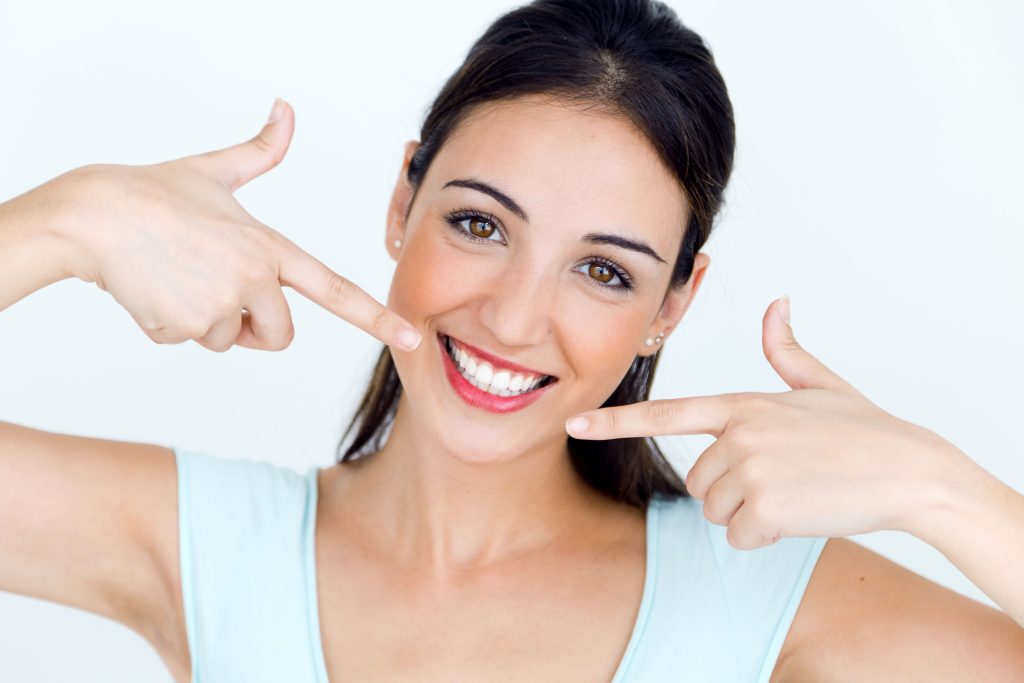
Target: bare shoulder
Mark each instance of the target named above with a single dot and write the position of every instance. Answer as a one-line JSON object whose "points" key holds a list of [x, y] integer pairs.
{"points": [[864, 617], [92, 523]]}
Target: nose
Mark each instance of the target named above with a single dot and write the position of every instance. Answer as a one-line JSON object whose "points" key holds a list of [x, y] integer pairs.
{"points": [[519, 303]]}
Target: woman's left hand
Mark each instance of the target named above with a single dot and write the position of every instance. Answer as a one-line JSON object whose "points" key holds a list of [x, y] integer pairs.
{"points": [[818, 461]]}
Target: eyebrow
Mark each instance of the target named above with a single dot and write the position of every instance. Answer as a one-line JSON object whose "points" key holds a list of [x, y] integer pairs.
{"points": [[590, 238]]}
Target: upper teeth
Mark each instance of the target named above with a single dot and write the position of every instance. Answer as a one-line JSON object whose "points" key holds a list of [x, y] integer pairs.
{"points": [[482, 374]]}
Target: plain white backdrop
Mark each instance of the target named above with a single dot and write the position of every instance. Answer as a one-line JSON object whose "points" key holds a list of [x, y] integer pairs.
{"points": [[876, 182]]}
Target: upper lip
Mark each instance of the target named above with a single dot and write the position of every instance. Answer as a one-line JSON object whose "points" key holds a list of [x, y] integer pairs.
{"points": [[497, 361]]}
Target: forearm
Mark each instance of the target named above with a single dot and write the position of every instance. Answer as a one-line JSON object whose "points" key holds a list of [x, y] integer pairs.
{"points": [[34, 251], [977, 522]]}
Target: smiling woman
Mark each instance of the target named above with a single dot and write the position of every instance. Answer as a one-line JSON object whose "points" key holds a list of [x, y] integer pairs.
{"points": [[573, 137], [547, 230], [501, 511]]}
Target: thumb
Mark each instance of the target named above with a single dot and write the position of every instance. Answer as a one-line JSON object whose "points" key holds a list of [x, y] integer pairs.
{"points": [[798, 368], [236, 165]]}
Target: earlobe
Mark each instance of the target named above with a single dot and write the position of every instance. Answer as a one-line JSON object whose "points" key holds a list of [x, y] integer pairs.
{"points": [[401, 198], [676, 302]]}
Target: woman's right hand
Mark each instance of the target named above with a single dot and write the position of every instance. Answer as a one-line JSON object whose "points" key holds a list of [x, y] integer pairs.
{"points": [[172, 245]]}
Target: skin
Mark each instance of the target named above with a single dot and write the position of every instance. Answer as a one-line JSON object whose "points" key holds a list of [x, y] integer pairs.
{"points": [[470, 528]]}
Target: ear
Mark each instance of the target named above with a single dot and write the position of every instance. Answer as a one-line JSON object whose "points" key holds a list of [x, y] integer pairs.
{"points": [[674, 306], [400, 200]]}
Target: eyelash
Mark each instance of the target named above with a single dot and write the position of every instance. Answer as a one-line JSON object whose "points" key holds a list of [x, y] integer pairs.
{"points": [[455, 218]]}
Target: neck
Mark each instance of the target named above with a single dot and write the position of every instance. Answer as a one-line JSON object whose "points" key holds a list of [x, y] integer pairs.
{"points": [[434, 509]]}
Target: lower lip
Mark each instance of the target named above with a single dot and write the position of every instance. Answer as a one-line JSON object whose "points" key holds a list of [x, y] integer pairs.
{"points": [[481, 399]]}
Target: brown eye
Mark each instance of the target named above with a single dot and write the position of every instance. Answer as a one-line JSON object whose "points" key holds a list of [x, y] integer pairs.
{"points": [[606, 274], [602, 274], [475, 229], [474, 226]]}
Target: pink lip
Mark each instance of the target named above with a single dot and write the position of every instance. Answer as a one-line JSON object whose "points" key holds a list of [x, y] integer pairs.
{"points": [[481, 399]]}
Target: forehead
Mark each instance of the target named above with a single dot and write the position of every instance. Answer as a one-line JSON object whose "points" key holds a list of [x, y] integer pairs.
{"points": [[556, 158]]}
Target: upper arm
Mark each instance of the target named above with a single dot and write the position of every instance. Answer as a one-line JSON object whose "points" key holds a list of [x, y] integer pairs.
{"points": [[91, 523], [864, 617]]}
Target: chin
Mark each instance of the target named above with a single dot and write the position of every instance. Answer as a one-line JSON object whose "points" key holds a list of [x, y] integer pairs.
{"points": [[476, 442]]}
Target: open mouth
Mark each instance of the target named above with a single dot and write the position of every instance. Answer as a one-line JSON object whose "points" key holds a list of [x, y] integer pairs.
{"points": [[491, 376]]}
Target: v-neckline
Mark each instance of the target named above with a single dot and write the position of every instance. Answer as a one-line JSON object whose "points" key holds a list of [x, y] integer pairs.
{"points": [[313, 609]]}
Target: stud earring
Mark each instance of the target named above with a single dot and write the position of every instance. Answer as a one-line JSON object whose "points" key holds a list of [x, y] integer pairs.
{"points": [[398, 244], [657, 340]]}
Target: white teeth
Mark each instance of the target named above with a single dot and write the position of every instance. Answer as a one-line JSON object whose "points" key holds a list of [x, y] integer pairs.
{"points": [[484, 373], [484, 377], [501, 380]]}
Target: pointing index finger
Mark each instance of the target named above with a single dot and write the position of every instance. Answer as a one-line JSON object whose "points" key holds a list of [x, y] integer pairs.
{"points": [[308, 276], [690, 415]]}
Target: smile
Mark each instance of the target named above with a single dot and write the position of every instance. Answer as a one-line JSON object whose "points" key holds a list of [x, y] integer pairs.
{"points": [[487, 382]]}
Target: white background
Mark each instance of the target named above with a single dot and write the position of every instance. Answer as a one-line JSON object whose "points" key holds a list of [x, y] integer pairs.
{"points": [[877, 182]]}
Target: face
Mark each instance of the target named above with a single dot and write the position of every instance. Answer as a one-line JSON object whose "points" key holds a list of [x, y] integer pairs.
{"points": [[542, 237]]}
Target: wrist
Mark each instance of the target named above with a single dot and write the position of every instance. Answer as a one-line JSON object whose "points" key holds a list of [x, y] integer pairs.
{"points": [[70, 217], [947, 497], [31, 257]]}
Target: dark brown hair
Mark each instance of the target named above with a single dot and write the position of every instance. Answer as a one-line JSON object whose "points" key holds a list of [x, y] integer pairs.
{"points": [[631, 58]]}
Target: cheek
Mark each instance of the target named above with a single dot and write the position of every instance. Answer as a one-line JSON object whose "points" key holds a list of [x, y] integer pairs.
{"points": [[602, 346], [425, 282]]}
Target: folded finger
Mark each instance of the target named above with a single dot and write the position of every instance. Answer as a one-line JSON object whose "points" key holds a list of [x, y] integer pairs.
{"points": [[267, 322]]}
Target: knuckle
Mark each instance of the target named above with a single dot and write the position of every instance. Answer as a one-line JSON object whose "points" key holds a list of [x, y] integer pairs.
{"points": [[661, 413], [152, 335], [744, 401], [611, 420], [271, 240], [757, 400], [282, 341], [288, 337], [340, 290], [713, 512], [693, 485], [91, 176], [266, 273], [221, 345], [760, 507], [380, 320], [743, 437], [195, 329], [150, 324], [748, 472], [223, 302], [261, 143], [733, 537], [713, 515], [218, 347]]}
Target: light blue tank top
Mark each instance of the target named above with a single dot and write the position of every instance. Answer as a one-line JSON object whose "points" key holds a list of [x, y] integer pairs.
{"points": [[709, 612]]}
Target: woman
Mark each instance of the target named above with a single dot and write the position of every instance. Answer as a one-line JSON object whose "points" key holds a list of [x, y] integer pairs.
{"points": [[547, 229]]}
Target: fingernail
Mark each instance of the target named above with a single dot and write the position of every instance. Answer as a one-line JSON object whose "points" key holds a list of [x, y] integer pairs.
{"points": [[409, 339], [277, 111], [784, 308], [578, 424]]}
